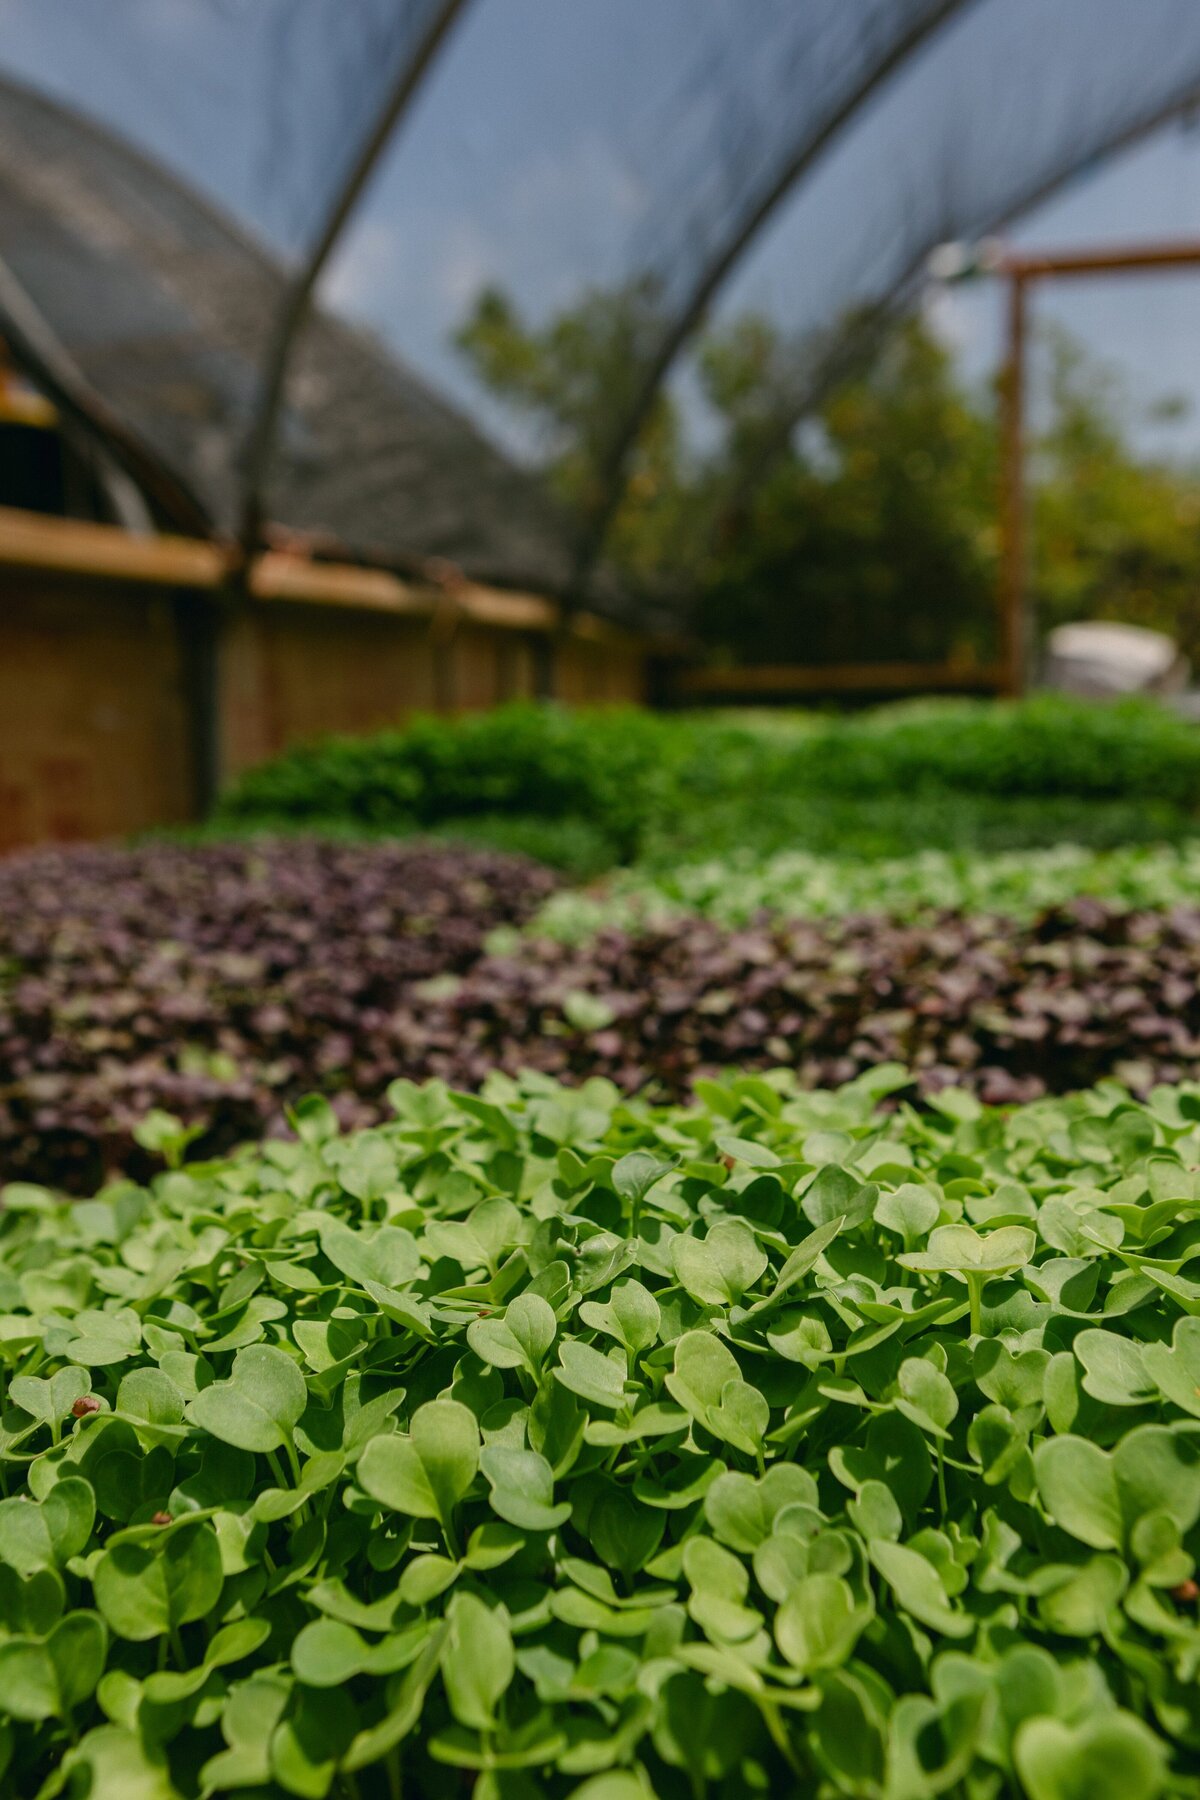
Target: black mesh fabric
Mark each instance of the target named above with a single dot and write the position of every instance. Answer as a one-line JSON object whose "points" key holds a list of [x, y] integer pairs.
{"points": [[261, 106], [1010, 101], [167, 165]]}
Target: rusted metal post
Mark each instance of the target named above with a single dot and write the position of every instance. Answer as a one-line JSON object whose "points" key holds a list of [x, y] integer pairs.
{"points": [[1116, 259], [1011, 595], [1020, 272]]}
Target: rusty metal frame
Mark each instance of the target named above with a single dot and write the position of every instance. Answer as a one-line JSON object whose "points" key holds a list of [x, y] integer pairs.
{"points": [[1021, 272]]}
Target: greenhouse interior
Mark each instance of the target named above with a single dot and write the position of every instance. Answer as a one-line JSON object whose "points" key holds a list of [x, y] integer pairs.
{"points": [[599, 900]]}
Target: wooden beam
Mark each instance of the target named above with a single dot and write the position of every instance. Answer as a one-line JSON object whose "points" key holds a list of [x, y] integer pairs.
{"points": [[518, 612], [279, 576], [1117, 259], [840, 678], [76, 547], [36, 541], [22, 406]]}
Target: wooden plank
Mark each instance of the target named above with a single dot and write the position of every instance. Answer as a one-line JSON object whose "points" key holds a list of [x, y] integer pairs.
{"points": [[276, 576], [840, 678], [36, 542], [592, 629], [105, 553], [93, 721], [22, 406], [511, 611]]}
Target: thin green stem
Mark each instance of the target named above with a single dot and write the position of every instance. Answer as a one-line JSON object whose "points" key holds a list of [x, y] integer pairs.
{"points": [[975, 1291], [779, 1736], [451, 1538], [941, 1477], [293, 1460]]}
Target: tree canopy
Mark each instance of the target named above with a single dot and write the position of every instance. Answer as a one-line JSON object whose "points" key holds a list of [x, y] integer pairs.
{"points": [[877, 523]]}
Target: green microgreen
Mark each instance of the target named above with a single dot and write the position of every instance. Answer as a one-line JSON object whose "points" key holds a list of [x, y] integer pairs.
{"points": [[588, 1449]]}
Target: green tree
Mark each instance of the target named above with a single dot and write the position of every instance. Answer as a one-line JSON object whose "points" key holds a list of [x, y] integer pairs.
{"points": [[1115, 536], [872, 534], [571, 381]]}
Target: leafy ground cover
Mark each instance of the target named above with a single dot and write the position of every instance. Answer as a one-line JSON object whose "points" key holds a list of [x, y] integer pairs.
{"points": [[539, 1445], [591, 790], [216, 985], [796, 884], [214, 980], [1012, 1012]]}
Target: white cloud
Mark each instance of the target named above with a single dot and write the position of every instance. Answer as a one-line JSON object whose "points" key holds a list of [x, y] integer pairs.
{"points": [[369, 265]]}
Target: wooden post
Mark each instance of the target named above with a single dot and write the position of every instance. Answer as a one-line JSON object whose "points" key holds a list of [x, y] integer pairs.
{"points": [[198, 625], [1011, 595], [546, 646]]}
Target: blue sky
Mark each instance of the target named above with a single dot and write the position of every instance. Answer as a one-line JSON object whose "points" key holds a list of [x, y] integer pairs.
{"points": [[531, 160], [1147, 326]]}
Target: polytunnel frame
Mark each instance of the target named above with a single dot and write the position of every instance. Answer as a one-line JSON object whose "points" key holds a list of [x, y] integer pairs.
{"points": [[800, 159], [297, 301], [1007, 674], [1021, 272], [803, 156]]}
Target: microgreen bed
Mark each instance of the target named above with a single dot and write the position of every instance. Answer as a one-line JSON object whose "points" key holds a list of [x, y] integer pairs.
{"points": [[738, 888], [540, 1444], [218, 981], [1013, 1011], [591, 789]]}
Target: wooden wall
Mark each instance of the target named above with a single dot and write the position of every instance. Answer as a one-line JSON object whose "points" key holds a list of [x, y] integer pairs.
{"points": [[289, 673], [102, 722], [93, 716]]}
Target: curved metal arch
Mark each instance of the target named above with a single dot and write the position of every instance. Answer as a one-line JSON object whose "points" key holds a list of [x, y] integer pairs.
{"points": [[802, 157], [853, 351], [30, 337], [260, 438]]}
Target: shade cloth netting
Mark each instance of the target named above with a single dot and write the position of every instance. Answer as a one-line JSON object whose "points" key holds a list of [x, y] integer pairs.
{"points": [[167, 165]]}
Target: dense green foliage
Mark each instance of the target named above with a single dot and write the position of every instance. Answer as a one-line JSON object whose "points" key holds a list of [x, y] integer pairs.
{"points": [[516, 763], [877, 524], [539, 1444], [795, 884], [622, 785], [1114, 536], [1078, 994], [219, 982], [875, 527]]}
